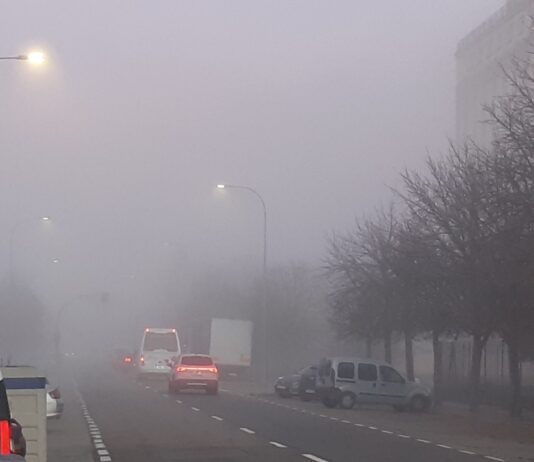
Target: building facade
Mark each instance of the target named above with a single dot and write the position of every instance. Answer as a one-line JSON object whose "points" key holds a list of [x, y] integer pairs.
{"points": [[480, 57]]}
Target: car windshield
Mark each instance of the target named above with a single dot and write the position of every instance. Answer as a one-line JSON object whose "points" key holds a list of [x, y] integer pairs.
{"points": [[196, 361], [160, 341]]}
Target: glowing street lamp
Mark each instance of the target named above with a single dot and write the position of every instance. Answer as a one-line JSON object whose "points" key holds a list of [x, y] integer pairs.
{"points": [[34, 57]]}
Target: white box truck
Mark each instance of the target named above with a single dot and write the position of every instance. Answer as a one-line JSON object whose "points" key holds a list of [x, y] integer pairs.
{"points": [[227, 341]]}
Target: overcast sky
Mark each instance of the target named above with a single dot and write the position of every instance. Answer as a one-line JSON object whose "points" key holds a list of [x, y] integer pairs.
{"points": [[144, 106]]}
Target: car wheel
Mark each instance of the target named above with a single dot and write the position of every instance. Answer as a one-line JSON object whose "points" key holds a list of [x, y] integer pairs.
{"points": [[331, 400], [213, 390], [348, 400], [419, 403]]}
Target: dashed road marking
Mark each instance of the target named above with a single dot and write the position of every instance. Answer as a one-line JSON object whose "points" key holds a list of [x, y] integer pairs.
{"points": [[470, 453], [494, 458], [105, 459], [277, 445], [346, 421], [359, 425], [196, 409], [372, 428], [147, 387], [247, 430], [334, 418], [403, 436], [444, 446], [314, 458], [102, 452], [178, 401], [423, 441], [387, 432], [216, 417], [100, 446]]}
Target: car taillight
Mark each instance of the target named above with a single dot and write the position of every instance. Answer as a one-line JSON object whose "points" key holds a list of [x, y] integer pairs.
{"points": [[55, 393], [211, 369], [5, 437], [127, 359]]}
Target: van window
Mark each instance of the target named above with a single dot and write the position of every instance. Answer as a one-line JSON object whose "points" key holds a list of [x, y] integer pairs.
{"points": [[345, 371], [388, 374], [367, 372], [160, 341]]}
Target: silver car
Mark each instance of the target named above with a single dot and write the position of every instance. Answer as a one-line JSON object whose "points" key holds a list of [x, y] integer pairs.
{"points": [[346, 381]]}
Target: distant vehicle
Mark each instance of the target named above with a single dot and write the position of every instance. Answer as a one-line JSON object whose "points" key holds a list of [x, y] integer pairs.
{"points": [[346, 381], [159, 347], [191, 372], [54, 403], [301, 383], [227, 341], [123, 359], [12, 441]]}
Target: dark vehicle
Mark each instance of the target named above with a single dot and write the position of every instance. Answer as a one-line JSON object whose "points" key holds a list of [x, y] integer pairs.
{"points": [[12, 441], [123, 359], [301, 383]]}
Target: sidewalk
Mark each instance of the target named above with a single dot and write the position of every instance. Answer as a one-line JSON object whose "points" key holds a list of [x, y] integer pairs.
{"points": [[68, 438]]}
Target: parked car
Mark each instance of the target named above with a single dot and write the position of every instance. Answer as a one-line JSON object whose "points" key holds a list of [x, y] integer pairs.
{"points": [[192, 371], [12, 441], [54, 403], [346, 381], [301, 383]]}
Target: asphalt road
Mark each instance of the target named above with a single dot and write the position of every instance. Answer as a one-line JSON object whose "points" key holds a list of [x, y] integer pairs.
{"points": [[139, 422]]}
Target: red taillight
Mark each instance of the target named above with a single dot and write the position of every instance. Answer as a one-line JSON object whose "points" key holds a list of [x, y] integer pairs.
{"points": [[55, 393], [5, 437], [127, 359], [211, 369]]}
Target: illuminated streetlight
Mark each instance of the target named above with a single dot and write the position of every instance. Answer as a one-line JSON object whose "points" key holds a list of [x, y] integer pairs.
{"points": [[221, 186], [45, 218], [34, 57], [55, 260]]}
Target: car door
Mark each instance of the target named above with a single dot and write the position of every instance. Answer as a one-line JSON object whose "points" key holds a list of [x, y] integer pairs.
{"points": [[392, 385], [367, 383]]}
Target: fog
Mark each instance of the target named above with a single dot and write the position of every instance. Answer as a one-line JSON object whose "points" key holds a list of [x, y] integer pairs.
{"points": [[143, 107]]}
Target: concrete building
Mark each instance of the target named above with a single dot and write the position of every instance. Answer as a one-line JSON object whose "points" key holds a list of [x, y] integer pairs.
{"points": [[506, 34]]}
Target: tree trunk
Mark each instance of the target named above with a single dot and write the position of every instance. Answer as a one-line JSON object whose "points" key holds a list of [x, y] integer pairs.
{"points": [[476, 362], [438, 367], [387, 346], [368, 347], [514, 364], [408, 352]]}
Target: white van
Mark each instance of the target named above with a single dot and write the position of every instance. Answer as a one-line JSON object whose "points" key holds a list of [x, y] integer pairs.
{"points": [[346, 381], [158, 348]]}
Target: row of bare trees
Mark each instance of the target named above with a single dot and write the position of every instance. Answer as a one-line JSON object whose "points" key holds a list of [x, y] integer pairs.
{"points": [[455, 254]]}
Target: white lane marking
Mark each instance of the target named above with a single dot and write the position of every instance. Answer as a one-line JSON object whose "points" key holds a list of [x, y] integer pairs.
{"points": [[372, 428], [494, 458], [403, 436], [178, 401], [470, 453], [98, 440], [314, 458], [103, 452], [196, 409], [387, 432], [322, 415], [105, 459], [247, 430], [359, 425], [277, 445], [147, 387], [334, 418], [224, 390], [444, 446], [423, 441], [216, 417], [100, 446], [346, 421]]}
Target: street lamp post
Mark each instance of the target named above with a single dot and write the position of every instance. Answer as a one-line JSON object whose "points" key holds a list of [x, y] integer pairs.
{"points": [[264, 294], [35, 57], [12, 234]]}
